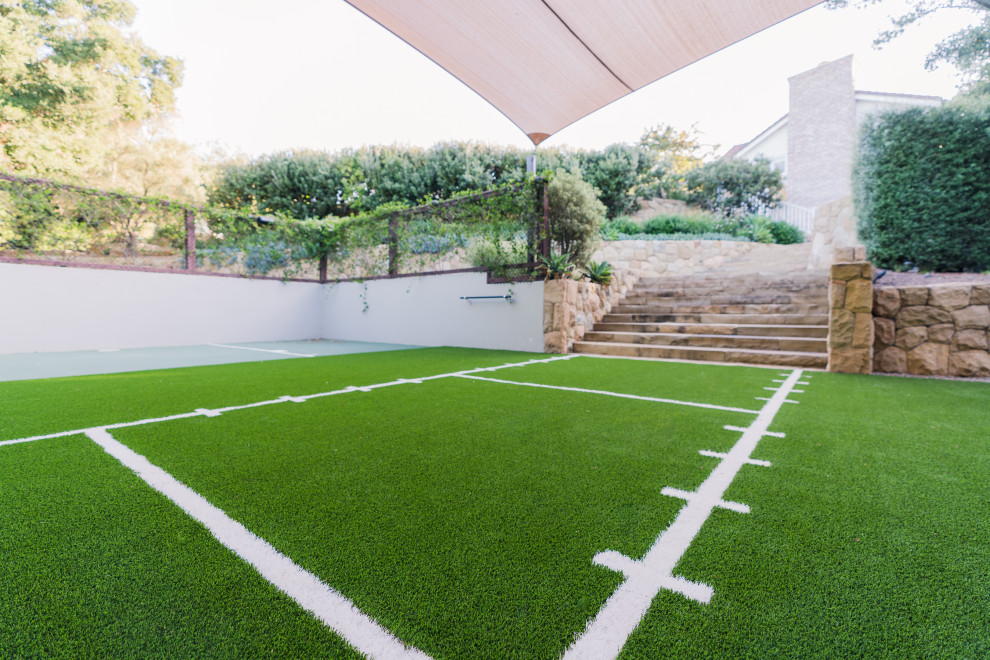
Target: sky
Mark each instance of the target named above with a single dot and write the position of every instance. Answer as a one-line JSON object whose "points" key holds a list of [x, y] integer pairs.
{"points": [[263, 77]]}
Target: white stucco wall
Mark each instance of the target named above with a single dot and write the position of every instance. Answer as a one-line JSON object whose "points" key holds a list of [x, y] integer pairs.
{"points": [[46, 308], [428, 311]]}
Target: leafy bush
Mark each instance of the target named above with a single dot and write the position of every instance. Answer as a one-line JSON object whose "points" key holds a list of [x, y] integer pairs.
{"points": [[707, 236], [495, 254], [733, 188], [785, 234], [615, 173], [922, 189], [685, 224], [575, 216], [611, 229]]}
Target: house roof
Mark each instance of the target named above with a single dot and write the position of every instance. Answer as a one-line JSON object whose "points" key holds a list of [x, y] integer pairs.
{"points": [[738, 151], [547, 63]]}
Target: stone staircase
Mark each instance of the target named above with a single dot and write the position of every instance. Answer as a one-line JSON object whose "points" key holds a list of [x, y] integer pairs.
{"points": [[747, 316]]}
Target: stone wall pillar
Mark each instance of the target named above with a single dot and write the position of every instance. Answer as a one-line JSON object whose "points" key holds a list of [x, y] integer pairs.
{"points": [[850, 327], [571, 308]]}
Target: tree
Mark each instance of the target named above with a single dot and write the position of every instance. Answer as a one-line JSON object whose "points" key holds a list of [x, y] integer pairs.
{"points": [[670, 153], [614, 172], [575, 216], [967, 50], [70, 71], [734, 188]]}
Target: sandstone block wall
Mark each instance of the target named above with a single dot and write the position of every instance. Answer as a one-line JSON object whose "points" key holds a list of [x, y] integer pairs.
{"points": [[834, 230], [940, 330], [685, 258], [571, 308], [850, 331]]}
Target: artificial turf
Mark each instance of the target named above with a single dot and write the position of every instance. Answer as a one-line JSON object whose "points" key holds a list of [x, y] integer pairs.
{"points": [[463, 515]]}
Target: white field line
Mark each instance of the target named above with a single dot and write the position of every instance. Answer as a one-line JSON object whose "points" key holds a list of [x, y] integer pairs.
{"points": [[206, 412], [327, 605], [607, 633], [710, 406], [280, 351]]}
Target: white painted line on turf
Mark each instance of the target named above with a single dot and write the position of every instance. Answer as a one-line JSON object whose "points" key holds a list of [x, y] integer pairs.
{"points": [[715, 454], [688, 496], [607, 633], [774, 434], [279, 351], [763, 398], [326, 604], [206, 412], [710, 406]]}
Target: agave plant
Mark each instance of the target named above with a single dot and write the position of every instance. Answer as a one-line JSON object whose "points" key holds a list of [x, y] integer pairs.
{"points": [[599, 272], [556, 266]]}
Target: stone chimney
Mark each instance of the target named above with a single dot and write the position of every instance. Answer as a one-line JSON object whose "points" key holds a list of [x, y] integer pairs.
{"points": [[821, 126]]}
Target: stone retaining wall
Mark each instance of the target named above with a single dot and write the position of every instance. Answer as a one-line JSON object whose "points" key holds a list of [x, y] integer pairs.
{"points": [[682, 258], [572, 308], [940, 330]]}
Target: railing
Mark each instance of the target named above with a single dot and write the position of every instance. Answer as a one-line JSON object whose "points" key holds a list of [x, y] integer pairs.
{"points": [[798, 216], [45, 222]]}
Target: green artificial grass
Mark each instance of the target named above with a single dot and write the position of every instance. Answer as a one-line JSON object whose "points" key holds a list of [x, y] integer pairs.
{"points": [[37, 407], [464, 515], [93, 563]]}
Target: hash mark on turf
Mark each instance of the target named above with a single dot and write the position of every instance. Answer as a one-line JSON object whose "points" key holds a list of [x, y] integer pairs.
{"points": [[715, 454], [774, 434]]}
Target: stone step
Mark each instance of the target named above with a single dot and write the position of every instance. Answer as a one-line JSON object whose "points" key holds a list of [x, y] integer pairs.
{"points": [[680, 307], [818, 331], [727, 299], [744, 319], [743, 356], [768, 343], [730, 290], [802, 277]]}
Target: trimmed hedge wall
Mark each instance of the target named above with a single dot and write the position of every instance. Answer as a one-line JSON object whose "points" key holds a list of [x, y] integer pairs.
{"points": [[922, 189]]}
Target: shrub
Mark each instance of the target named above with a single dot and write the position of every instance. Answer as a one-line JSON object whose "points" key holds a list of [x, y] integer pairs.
{"points": [[922, 189], [495, 254], [785, 234], [575, 216], [684, 224], [611, 229], [733, 188]]}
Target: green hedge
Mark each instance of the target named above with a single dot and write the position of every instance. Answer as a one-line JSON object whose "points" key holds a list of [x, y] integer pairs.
{"points": [[702, 227], [922, 189]]}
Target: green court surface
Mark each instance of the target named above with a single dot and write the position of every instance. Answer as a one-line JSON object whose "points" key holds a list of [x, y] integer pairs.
{"points": [[461, 503], [27, 366]]}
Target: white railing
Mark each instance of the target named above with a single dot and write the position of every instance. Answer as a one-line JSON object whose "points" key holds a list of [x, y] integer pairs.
{"points": [[799, 216]]}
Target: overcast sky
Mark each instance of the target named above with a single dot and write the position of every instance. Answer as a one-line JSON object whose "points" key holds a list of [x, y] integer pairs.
{"points": [[265, 76]]}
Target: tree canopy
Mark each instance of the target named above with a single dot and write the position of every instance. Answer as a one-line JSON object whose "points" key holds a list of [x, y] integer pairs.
{"points": [[968, 50], [71, 71]]}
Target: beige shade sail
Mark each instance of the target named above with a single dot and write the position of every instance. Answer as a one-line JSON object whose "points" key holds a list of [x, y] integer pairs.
{"points": [[547, 63]]}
